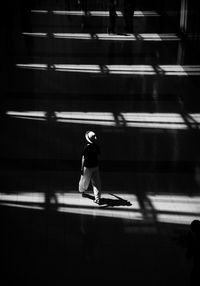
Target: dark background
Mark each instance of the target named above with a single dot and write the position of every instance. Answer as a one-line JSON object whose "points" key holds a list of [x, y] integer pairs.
{"points": [[44, 156]]}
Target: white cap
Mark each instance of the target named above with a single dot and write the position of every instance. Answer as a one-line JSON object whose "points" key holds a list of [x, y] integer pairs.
{"points": [[90, 136]]}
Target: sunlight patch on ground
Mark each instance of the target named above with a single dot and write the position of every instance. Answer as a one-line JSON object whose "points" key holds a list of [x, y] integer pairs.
{"points": [[160, 208], [99, 13], [114, 119], [162, 70]]}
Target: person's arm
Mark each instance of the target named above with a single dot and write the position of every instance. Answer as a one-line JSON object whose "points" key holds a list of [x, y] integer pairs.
{"points": [[82, 164]]}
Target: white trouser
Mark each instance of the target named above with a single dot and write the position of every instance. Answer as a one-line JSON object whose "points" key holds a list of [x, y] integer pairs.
{"points": [[93, 175]]}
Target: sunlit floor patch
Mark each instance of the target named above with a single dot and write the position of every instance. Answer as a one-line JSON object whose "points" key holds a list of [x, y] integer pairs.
{"points": [[154, 37], [36, 34], [148, 208], [165, 70], [99, 13], [168, 121], [129, 70]]}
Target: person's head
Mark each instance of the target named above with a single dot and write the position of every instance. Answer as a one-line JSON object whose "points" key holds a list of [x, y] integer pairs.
{"points": [[90, 136], [195, 227]]}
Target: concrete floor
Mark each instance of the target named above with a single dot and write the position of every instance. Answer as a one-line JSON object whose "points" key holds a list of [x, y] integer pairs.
{"points": [[64, 75], [71, 240]]}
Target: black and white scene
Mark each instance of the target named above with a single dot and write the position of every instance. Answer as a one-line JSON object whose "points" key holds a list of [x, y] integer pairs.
{"points": [[100, 142]]}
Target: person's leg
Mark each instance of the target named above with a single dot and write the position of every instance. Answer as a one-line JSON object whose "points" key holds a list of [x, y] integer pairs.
{"points": [[84, 8], [96, 183], [128, 15], [85, 180], [112, 16], [131, 18]]}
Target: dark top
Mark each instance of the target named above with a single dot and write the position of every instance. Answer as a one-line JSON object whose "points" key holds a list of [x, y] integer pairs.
{"points": [[90, 153]]}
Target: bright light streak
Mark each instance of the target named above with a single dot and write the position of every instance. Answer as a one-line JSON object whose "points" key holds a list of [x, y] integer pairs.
{"points": [[103, 212], [155, 120], [164, 70], [157, 117], [106, 37], [184, 220], [174, 126], [159, 37], [164, 208], [40, 11], [85, 36], [127, 119], [109, 69], [33, 66], [94, 118], [78, 68], [22, 206], [40, 35], [131, 69], [27, 113], [23, 197], [105, 13], [181, 70], [173, 69], [111, 37], [196, 116], [33, 115]]}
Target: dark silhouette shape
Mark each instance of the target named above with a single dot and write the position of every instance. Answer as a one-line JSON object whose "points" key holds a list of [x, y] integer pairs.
{"points": [[193, 251], [94, 36], [90, 166], [190, 242], [104, 69], [147, 208], [110, 202], [112, 16], [51, 201], [50, 116], [189, 120], [84, 7], [118, 202], [129, 7], [128, 12], [119, 119]]}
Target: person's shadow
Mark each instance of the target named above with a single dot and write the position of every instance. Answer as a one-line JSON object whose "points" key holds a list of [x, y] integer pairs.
{"points": [[120, 121], [188, 119], [51, 200], [107, 202], [147, 208]]}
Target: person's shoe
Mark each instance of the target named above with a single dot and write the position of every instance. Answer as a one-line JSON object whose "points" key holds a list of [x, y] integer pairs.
{"points": [[97, 201]]}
